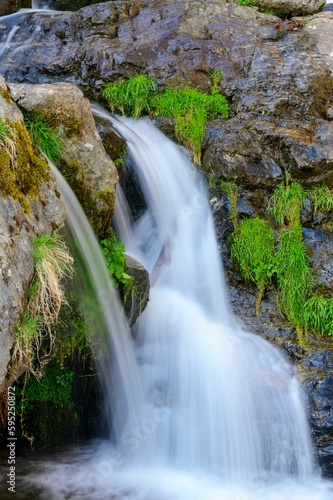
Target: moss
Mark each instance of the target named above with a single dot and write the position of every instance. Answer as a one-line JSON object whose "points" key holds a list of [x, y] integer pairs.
{"points": [[98, 208], [5, 94], [21, 176]]}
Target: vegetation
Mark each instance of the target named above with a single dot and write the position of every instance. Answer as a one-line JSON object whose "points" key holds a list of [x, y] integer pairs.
{"points": [[285, 262], [45, 137], [286, 203], [22, 170], [131, 96], [246, 3], [253, 250], [35, 340], [190, 107], [114, 253], [48, 413], [321, 199], [318, 314], [294, 276]]}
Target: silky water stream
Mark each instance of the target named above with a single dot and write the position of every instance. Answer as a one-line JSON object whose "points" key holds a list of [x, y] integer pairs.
{"points": [[201, 409]]}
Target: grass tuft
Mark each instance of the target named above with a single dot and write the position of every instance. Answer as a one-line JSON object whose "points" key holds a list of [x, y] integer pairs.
{"points": [[321, 198], [286, 203], [253, 250], [52, 263], [45, 137], [130, 96], [190, 107]]}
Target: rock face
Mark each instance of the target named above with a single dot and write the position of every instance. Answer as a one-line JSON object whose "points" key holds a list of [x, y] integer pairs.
{"points": [[277, 74], [289, 8], [17, 231], [91, 172], [279, 83]]}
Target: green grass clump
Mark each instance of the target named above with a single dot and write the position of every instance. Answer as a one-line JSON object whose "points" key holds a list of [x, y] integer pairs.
{"points": [[287, 263], [190, 107], [45, 137], [131, 96], [294, 275], [321, 198], [286, 203], [318, 314], [114, 254], [253, 250]]}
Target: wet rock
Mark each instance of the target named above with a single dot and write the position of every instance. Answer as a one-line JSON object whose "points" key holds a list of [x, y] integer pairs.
{"points": [[136, 303], [321, 244], [89, 169], [277, 75], [319, 391]]}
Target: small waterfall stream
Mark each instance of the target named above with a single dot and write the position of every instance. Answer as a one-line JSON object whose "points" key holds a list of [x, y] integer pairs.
{"points": [[235, 407], [201, 409]]}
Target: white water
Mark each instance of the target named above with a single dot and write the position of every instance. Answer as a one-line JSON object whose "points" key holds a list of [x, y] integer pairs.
{"points": [[234, 406], [206, 411]]}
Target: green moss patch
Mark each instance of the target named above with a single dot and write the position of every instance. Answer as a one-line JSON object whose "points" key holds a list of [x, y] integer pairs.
{"points": [[22, 169]]}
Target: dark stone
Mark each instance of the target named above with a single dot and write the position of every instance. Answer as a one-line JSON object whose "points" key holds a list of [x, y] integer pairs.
{"points": [[321, 244], [136, 303]]}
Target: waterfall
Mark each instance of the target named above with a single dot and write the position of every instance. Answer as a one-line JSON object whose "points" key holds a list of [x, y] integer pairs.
{"points": [[113, 348], [234, 401]]}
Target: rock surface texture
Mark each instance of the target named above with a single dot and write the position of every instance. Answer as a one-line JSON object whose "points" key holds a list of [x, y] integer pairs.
{"points": [[17, 231], [91, 172], [278, 78], [289, 8]]}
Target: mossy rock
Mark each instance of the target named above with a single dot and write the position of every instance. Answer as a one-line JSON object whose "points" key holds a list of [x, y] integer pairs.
{"points": [[22, 171]]}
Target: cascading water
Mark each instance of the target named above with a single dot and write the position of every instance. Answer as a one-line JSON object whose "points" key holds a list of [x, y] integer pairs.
{"points": [[106, 318], [235, 404], [204, 410]]}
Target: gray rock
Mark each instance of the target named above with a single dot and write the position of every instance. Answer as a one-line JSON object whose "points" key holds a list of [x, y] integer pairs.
{"points": [[289, 8], [135, 304], [321, 244], [88, 168]]}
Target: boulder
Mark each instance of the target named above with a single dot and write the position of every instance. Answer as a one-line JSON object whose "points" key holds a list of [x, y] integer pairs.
{"points": [[84, 161], [290, 8], [136, 303]]}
